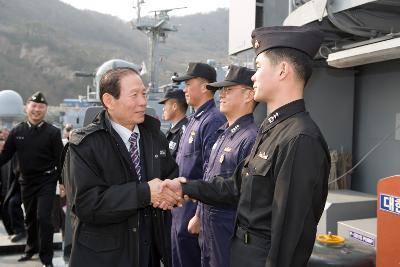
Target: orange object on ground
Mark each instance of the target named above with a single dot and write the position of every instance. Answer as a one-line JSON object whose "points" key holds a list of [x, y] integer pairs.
{"points": [[388, 231]]}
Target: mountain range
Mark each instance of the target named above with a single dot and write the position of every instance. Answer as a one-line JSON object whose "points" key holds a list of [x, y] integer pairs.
{"points": [[44, 42]]}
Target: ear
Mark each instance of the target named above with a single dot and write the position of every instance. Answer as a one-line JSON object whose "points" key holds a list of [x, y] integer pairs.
{"points": [[174, 106], [249, 95], [284, 70], [108, 101], [204, 87]]}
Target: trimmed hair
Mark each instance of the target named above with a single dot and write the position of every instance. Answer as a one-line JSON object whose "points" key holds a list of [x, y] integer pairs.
{"points": [[110, 82], [301, 62], [182, 105]]}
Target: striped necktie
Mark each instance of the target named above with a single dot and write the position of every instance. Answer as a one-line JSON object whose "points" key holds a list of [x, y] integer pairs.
{"points": [[134, 153]]}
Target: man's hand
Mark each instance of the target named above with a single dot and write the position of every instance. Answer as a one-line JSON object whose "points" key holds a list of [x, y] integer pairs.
{"points": [[164, 196], [194, 225], [174, 185]]}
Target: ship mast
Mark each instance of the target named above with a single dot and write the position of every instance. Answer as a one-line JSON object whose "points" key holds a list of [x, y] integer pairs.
{"points": [[156, 30]]}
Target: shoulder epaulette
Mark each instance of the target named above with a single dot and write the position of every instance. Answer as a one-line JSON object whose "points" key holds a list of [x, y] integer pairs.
{"points": [[78, 135]]}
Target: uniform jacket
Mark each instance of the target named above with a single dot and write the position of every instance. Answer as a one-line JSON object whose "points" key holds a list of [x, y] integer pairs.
{"points": [[38, 148], [174, 136], [280, 189], [194, 151], [233, 145], [106, 198]]}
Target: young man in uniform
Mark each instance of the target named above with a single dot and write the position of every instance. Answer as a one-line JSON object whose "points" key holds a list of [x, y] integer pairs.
{"points": [[281, 188], [174, 110], [235, 140], [193, 153], [38, 147]]}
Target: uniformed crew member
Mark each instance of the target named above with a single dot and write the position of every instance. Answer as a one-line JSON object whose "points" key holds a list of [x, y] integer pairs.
{"points": [[235, 140], [109, 174], [174, 110], [193, 153], [281, 188], [38, 147]]}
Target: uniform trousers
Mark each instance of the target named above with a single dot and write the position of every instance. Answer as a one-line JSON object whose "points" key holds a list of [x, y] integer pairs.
{"points": [[38, 199], [15, 212], [249, 251]]}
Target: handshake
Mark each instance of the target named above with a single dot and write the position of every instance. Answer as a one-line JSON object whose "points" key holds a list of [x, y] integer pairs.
{"points": [[168, 193]]}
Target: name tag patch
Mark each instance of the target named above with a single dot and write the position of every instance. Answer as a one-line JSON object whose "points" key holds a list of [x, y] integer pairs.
{"points": [[263, 155], [172, 145]]}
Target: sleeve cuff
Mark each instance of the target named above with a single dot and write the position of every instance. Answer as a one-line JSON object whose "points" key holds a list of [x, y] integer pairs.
{"points": [[143, 194], [189, 188]]}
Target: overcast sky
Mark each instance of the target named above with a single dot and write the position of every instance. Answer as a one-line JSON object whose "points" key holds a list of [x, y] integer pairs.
{"points": [[124, 10]]}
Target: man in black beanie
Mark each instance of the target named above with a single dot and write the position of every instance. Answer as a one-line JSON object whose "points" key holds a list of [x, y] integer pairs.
{"points": [[38, 147]]}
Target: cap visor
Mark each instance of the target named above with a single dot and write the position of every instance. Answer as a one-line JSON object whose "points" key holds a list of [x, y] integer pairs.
{"points": [[219, 85], [163, 101], [183, 78]]}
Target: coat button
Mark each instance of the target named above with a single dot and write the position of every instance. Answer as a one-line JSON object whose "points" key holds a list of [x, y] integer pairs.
{"points": [[134, 229]]}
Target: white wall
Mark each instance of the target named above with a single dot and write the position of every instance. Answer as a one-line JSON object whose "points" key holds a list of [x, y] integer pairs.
{"points": [[242, 19]]}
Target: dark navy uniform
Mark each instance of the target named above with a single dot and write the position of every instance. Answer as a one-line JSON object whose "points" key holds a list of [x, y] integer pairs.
{"points": [[194, 150], [174, 135], [280, 190], [217, 223], [38, 148]]}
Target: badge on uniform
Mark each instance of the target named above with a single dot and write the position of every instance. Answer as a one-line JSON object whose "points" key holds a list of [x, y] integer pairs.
{"points": [[214, 145], [263, 155], [221, 158], [191, 138], [235, 129], [172, 145]]}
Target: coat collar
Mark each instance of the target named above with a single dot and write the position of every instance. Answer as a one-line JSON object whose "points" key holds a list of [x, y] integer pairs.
{"points": [[282, 114], [30, 125], [240, 123], [204, 108], [102, 123], [178, 126]]}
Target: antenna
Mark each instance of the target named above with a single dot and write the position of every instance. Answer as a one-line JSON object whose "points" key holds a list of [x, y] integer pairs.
{"points": [[157, 32]]}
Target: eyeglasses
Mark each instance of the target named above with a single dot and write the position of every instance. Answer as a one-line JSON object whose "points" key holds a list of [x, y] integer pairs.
{"points": [[227, 89]]}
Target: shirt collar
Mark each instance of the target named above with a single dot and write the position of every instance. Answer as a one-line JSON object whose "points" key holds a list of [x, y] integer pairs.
{"points": [[283, 113], [240, 123], [123, 132], [204, 108]]}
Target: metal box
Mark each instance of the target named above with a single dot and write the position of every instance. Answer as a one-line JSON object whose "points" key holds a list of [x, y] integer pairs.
{"points": [[344, 205], [362, 231]]}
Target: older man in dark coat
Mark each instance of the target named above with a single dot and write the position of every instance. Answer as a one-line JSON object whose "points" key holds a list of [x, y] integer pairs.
{"points": [[109, 175]]}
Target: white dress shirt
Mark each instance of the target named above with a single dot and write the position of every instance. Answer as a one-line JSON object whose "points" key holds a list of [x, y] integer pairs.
{"points": [[125, 134]]}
